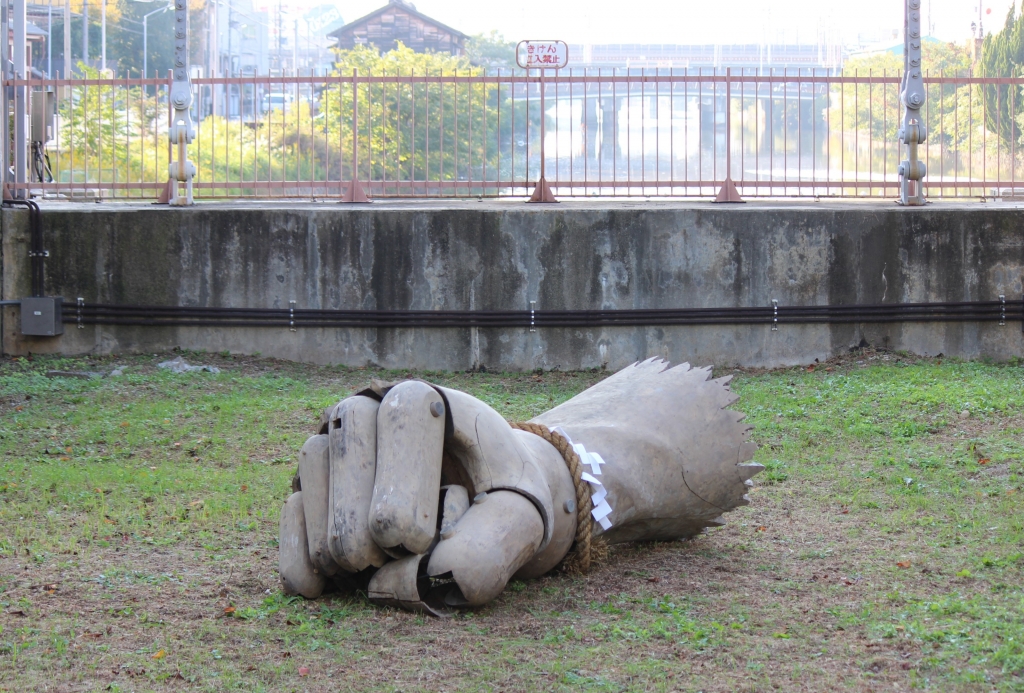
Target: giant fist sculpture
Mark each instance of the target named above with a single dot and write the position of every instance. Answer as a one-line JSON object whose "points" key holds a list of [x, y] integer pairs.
{"points": [[446, 501]]}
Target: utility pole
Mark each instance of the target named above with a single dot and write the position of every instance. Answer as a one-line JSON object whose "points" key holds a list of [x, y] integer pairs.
{"points": [[49, 37], [67, 40], [295, 62], [911, 170], [280, 37], [103, 35], [215, 67], [20, 96], [182, 130], [85, 32]]}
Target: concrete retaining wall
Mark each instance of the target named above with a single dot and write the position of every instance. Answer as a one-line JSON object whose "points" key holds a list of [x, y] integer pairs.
{"points": [[502, 255]]}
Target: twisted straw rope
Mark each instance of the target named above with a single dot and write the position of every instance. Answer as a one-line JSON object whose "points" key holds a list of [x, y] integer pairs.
{"points": [[578, 561]]}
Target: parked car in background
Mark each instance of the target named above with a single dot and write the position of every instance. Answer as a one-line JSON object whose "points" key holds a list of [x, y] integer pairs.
{"points": [[276, 100]]}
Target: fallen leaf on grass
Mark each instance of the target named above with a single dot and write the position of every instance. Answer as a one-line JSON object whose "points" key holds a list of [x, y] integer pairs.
{"points": [[17, 613], [228, 610], [903, 564], [245, 487], [64, 458], [195, 503], [654, 579], [761, 528], [51, 587], [844, 511], [125, 424], [160, 654], [303, 671], [984, 460]]}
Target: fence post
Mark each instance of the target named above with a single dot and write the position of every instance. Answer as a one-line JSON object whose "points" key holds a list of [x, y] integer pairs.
{"points": [[21, 99], [542, 192], [728, 193], [171, 187], [355, 191]]}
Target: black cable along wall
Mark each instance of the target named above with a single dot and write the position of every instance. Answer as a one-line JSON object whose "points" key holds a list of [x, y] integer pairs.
{"points": [[157, 316]]}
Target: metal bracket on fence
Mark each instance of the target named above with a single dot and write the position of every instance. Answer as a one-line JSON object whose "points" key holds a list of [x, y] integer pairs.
{"points": [[775, 315], [1002, 310], [81, 304], [182, 130], [912, 132], [291, 315], [355, 192], [533, 315]]}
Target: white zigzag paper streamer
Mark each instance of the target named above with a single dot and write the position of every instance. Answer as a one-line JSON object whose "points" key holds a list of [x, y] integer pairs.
{"points": [[598, 493]]}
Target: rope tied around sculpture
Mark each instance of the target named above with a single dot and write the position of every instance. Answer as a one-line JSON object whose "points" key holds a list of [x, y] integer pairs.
{"points": [[587, 548]]}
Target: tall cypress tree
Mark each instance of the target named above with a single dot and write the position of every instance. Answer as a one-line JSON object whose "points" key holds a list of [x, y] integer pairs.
{"points": [[1002, 55]]}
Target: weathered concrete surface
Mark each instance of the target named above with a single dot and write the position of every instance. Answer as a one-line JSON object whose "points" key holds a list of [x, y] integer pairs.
{"points": [[501, 255]]}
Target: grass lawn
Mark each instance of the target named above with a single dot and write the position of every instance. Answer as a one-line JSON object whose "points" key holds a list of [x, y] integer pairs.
{"points": [[883, 549]]}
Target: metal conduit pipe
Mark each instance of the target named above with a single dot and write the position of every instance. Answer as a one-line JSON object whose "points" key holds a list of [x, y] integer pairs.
{"points": [[157, 316], [36, 253]]}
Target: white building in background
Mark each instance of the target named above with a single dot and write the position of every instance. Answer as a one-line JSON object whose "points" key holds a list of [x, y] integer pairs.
{"points": [[821, 57], [240, 39]]}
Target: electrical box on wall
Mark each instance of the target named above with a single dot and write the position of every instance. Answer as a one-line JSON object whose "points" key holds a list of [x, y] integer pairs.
{"points": [[44, 107], [42, 317]]}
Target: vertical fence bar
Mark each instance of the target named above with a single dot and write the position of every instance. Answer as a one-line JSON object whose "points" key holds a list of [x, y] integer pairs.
{"points": [[455, 141], [643, 131], [615, 134], [672, 130]]}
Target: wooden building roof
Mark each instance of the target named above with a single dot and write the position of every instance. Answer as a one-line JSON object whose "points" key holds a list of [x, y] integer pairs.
{"points": [[399, 22]]}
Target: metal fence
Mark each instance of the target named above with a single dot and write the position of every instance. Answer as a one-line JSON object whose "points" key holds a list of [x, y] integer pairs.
{"points": [[607, 133]]}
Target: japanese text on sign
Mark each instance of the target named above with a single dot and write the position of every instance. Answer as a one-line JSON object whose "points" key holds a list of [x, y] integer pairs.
{"points": [[550, 55]]}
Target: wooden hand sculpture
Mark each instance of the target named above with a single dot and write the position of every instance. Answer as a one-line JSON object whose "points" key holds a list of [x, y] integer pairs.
{"points": [[445, 501]]}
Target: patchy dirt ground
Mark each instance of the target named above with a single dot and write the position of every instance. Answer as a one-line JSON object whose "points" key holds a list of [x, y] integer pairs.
{"points": [[881, 550]]}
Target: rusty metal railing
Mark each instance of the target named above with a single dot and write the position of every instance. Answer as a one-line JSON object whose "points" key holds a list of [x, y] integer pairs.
{"points": [[665, 132]]}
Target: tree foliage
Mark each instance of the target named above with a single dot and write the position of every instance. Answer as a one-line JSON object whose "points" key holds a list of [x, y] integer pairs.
{"points": [[1002, 55], [491, 51], [875, 109], [435, 131], [103, 131], [124, 36]]}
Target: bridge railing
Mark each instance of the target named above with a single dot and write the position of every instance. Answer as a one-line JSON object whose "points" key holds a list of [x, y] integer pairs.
{"points": [[665, 132]]}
